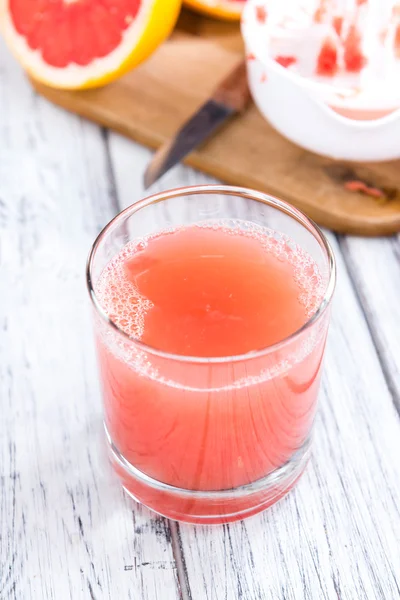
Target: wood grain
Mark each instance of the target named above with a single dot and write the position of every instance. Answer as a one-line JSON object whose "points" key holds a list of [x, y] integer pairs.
{"points": [[375, 269], [66, 529], [151, 103], [337, 535]]}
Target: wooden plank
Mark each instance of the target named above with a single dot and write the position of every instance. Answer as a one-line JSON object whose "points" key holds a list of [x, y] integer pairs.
{"points": [[375, 269], [66, 529], [150, 103], [337, 535]]}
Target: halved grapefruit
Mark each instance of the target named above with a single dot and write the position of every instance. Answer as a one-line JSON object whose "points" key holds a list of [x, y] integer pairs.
{"points": [[77, 44], [228, 10]]}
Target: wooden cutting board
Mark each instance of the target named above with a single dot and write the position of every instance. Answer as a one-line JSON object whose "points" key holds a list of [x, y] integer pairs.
{"points": [[149, 104]]}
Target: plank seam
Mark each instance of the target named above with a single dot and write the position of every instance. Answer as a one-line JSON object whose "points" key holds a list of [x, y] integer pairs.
{"points": [[176, 543], [115, 202], [179, 556]]}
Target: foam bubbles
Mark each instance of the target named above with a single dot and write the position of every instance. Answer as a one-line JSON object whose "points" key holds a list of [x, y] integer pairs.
{"points": [[118, 295]]}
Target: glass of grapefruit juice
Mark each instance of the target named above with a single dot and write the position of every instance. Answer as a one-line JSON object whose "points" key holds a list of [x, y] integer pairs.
{"points": [[211, 309]]}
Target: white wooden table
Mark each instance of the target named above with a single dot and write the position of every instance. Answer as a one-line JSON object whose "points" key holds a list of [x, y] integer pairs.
{"points": [[66, 529]]}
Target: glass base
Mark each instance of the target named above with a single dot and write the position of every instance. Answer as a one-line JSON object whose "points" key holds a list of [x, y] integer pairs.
{"points": [[209, 507]]}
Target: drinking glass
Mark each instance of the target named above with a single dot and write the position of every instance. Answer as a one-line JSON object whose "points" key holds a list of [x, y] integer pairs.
{"points": [[210, 440]]}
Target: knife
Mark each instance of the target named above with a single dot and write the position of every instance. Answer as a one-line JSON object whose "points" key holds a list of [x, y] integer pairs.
{"points": [[231, 97]]}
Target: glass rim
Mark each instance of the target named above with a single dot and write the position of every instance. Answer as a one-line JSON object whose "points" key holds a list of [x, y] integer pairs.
{"points": [[225, 190]]}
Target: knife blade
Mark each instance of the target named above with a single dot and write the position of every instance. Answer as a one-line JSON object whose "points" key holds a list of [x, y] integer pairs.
{"points": [[231, 97]]}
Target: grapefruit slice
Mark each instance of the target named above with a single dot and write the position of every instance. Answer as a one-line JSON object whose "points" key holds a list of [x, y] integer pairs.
{"points": [[77, 44], [227, 10]]}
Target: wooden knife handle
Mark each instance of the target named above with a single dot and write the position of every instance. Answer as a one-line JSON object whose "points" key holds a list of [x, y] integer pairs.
{"points": [[234, 90]]}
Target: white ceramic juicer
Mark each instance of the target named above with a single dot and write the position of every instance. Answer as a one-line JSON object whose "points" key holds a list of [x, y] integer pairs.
{"points": [[326, 116]]}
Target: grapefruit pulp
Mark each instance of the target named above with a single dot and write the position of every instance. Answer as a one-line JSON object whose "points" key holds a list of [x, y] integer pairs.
{"points": [[76, 44]]}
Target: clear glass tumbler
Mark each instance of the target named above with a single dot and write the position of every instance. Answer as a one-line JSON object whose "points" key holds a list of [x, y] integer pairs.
{"points": [[210, 440]]}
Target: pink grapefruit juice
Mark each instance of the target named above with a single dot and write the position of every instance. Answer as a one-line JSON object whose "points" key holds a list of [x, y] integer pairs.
{"points": [[210, 291]]}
